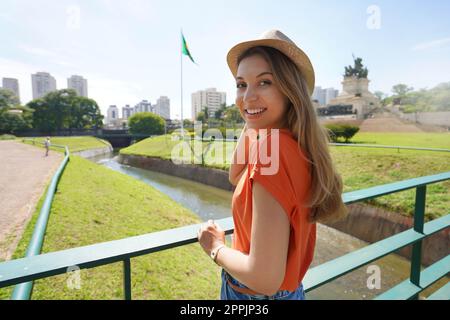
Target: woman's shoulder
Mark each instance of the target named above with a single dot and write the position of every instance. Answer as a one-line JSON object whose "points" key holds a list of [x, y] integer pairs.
{"points": [[279, 140]]}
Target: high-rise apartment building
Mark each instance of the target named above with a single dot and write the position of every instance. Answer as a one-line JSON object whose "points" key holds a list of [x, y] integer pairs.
{"points": [[210, 98], [127, 111], [143, 106], [42, 83], [12, 85], [162, 107], [79, 84]]}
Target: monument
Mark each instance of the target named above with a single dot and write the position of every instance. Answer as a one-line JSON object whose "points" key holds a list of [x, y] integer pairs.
{"points": [[355, 91]]}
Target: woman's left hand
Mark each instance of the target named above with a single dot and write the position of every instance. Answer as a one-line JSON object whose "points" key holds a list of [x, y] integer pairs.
{"points": [[210, 235]]}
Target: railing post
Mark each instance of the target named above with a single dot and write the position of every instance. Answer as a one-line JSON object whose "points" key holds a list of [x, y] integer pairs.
{"points": [[127, 279], [416, 256]]}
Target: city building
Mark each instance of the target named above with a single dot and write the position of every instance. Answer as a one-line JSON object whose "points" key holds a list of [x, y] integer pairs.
{"points": [[143, 106], [127, 111], [113, 121], [112, 115], [318, 95], [330, 93], [210, 98], [12, 85], [324, 96], [162, 107], [42, 83], [79, 84]]}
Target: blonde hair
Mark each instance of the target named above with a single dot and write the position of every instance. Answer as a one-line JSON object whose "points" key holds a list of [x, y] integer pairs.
{"points": [[325, 201]]}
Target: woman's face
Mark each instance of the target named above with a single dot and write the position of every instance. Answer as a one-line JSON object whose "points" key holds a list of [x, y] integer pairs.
{"points": [[260, 101]]}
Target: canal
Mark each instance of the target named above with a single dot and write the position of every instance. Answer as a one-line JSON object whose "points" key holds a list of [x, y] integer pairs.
{"points": [[213, 203]]}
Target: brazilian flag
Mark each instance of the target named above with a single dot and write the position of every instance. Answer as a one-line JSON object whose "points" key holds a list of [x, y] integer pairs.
{"points": [[185, 48]]}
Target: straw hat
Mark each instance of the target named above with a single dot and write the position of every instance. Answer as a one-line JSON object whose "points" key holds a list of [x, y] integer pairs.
{"points": [[278, 40]]}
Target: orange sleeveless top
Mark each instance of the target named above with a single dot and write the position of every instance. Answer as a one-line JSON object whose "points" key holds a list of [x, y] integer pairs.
{"points": [[289, 184]]}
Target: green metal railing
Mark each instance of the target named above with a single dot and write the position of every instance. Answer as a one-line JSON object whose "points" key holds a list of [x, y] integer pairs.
{"points": [[54, 263]]}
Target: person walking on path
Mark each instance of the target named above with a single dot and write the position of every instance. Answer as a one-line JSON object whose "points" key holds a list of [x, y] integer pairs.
{"points": [[47, 144]]}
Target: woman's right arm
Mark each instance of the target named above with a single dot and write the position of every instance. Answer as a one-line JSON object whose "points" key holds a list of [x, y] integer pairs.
{"points": [[240, 159]]}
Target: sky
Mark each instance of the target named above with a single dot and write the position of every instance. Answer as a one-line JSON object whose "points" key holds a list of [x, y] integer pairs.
{"points": [[130, 50]]}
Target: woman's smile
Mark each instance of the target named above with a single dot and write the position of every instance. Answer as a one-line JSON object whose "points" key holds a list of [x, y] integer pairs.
{"points": [[254, 113]]}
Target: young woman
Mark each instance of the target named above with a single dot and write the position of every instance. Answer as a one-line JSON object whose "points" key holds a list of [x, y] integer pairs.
{"points": [[275, 206]]}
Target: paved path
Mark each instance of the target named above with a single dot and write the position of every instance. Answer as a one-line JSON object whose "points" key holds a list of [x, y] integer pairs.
{"points": [[24, 174]]}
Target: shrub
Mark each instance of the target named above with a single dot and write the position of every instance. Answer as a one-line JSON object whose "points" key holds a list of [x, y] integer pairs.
{"points": [[146, 123], [345, 131], [7, 137]]}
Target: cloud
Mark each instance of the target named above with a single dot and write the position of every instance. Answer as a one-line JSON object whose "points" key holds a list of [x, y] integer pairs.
{"points": [[53, 56], [431, 44], [22, 72], [38, 51], [107, 91], [104, 90]]}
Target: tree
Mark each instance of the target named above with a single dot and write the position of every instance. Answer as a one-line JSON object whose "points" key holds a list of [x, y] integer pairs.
{"points": [[187, 123], [440, 97], [13, 122], [232, 114], [13, 116], [146, 123], [218, 114], [401, 89], [206, 111], [7, 99], [426, 100], [201, 116], [64, 109], [380, 95], [85, 113]]}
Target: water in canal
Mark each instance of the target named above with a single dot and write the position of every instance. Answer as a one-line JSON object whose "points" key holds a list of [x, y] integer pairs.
{"points": [[213, 203]]}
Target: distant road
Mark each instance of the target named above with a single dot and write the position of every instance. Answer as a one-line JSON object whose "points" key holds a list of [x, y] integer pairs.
{"points": [[24, 174]]}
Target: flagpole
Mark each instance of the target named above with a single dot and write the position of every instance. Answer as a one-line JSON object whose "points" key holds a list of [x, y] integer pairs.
{"points": [[181, 64]]}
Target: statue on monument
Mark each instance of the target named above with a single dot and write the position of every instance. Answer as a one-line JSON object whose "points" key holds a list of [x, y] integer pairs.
{"points": [[357, 70], [355, 91]]}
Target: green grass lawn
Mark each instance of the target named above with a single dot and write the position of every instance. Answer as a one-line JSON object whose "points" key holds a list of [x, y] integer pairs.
{"points": [[74, 143], [360, 167], [368, 167], [163, 146], [409, 139], [95, 204], [363, 168]]}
